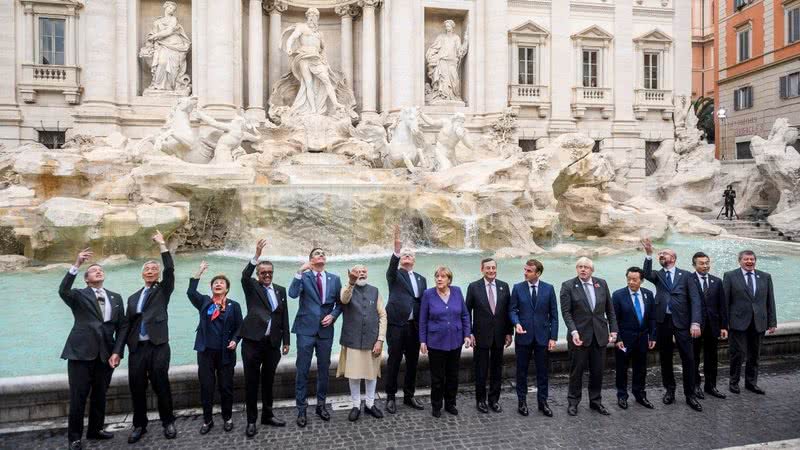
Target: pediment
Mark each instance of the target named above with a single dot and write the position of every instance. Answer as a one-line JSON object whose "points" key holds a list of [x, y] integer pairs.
{"points": [[529, 28], [654, 36], [71, 3], [594, 32]]}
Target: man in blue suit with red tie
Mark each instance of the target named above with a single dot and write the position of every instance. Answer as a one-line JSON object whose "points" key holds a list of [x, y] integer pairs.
{"points": [[318, 292], [534, 313], [635, 311]]}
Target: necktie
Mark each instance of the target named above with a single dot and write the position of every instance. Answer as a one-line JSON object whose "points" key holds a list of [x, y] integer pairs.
{"points": [[319, 286], [142, 328], [669, 279], [750, 282], [490, 293], [101, 303], [705, 284], [534, 293], [637, 307], [587, 289]]}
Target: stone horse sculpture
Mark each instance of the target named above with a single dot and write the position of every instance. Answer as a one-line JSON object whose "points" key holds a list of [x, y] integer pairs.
{"points": [[403, 147]]}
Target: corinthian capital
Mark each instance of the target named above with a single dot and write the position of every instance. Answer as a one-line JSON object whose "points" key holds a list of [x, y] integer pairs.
{"points": [[347, 10], [369, 3], [279, 6]]}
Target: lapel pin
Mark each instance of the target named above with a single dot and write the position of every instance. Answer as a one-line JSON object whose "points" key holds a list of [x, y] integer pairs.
{"points": [[576, 285]]}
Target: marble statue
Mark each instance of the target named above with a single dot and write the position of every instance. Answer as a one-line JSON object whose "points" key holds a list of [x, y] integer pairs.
{"points": [[228, 147], [451, 133], [405, 144], [177, 138], [779, 162], [443, 59], [312, 86], [165, 50]]}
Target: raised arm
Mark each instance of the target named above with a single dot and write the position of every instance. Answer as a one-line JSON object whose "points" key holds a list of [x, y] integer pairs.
{"points": [[210, 121], [647, 267], [394, 261], [430, 120], [168, 273], [195, 297], [65, 291]]}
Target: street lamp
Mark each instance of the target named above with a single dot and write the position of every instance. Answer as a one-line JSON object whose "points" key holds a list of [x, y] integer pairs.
{"points": [[722, 115]]}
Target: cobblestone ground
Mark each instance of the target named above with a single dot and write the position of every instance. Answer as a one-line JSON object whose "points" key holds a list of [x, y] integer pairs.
{"points": [[739, 420]]}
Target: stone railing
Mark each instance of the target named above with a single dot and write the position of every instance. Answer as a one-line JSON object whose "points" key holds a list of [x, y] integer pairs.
{"points": [[584, 98], [530, 95], [653, 99], [43, 77]]}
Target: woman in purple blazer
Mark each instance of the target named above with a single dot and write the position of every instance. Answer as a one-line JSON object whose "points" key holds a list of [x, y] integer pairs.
{"points": [[443, 327]]}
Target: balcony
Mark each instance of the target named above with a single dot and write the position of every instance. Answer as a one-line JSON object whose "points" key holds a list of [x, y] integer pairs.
{"points": [[530, 95], [653, 100], [584, 98], [49, 78]]}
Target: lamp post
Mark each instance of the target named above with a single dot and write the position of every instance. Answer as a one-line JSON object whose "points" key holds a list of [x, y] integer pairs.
{"points": [[722, 115]]}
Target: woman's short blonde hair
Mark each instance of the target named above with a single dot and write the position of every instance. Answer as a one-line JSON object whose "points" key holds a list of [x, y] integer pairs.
{"points": [[447, 272]]}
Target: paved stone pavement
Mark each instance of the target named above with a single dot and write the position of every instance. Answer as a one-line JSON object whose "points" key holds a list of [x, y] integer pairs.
{"points": [[739, 420]]}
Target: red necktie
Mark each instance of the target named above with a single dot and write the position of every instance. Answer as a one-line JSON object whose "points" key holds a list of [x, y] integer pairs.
{"points": [[319, 286]]}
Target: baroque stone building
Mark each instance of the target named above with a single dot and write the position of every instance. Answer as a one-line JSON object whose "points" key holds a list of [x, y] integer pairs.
{"points": [[614, 70]]}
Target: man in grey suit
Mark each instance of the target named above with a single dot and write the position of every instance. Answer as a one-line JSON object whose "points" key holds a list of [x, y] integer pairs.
{"points": [[589, 315], [750, 300]]}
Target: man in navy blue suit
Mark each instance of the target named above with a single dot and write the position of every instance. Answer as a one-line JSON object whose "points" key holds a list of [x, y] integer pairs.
{"points": [[635, 309], [534, 313], [318, 292], [715, 325], [678, 315]]}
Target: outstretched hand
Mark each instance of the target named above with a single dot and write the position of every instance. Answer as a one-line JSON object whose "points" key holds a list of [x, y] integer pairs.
{"points": [[158, 238], [202, 269], [647, 244], [260, 247], [83, 256]]}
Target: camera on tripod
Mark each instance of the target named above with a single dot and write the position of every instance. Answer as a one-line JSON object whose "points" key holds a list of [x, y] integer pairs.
{"points": [[728, 209]]}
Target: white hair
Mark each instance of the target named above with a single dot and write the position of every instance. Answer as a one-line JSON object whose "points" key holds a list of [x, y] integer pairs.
{"points": [[151, 261], [407, 251], [584, 261], [358, 267]]}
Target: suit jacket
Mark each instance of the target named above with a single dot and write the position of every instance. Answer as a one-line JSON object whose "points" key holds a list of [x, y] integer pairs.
{"points": [[443, 326], [312, 310], [90, 337], [578, 314], [683, 297], [154, 310], [259, 311], [401, 294], [232, 320], [490, 330], [538, 316], [715, 311], [632, 333], [744, 307]]}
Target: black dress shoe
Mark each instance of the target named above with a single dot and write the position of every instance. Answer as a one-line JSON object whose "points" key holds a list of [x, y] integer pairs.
{"points": [[206, 427], [322, 412], [302, 420], [572, 410], [714, 392], [599, 408], [734, 388], [136, 434], [494, 406], [251, 430], [645, 402], [694, 404], [355, 413], [699, 393], [545, 409], [100, 435], [391, 406], [170, 432], [482, 407], [274, 422], [374, 412], [413, 402], [75, 445], [227, 425], [669, 398], [522, 408], [451, 409], [622, 403], [754, 388], [436, 412]]}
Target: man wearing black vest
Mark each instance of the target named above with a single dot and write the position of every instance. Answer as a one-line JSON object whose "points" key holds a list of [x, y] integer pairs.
{"points": [[263, 329], [93, 349], [148, 342], [402, 311]]}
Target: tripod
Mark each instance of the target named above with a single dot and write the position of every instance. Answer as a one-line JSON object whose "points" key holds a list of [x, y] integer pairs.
{"points": [[735, 215]]}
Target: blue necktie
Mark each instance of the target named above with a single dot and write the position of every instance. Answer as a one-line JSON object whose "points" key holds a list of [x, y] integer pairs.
{"points": [[142, 328], [637, 307], [669, 279], [272, 305], [750, 283]]}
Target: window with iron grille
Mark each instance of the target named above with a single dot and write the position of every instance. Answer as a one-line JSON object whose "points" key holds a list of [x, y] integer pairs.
{"points": [[743, 98], [790, 85], [743, 150], [51, 41], [527, 65], [527, 145], [651, 70], [590, 68], [52, 139], [596, 147]]}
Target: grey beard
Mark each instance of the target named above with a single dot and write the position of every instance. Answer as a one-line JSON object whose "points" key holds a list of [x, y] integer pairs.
{"points": [[361, 282]]}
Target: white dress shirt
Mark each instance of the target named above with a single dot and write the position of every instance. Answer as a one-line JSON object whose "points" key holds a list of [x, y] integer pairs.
{"points": [[107, 303]]}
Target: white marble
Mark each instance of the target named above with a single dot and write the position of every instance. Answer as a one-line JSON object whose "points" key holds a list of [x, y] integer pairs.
{"points": [[164, 51]]}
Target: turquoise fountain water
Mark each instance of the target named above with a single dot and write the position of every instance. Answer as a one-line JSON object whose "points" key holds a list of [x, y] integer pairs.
{"points": [[34, 326]]}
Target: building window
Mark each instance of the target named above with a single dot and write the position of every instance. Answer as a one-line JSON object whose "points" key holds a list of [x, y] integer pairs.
{"points": [[590, 68], [51, 41], [527, 65], [793, 25], [527, 145], [743, 150], [650, 164], [743, 45], [743, 98], [790, 85], [651, 70], [596, 147], [52, 139], [739, 4]]}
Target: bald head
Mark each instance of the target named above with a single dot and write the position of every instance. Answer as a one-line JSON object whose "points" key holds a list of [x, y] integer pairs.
{"points": [[667, 258]]}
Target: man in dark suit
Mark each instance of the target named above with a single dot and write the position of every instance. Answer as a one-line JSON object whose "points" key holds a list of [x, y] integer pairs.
{"points": [[148, 342], [319, 294], [263, 329], [93, 349], [635, 311], [715, 325], [534, 314], [591, 325], [487, 302], [402, 313], [678, 316], [750, 300]]}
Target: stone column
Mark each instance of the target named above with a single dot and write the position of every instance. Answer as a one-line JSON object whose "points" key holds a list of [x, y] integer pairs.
{"points": [[496, 57], [369, 59], [10, 117], [255, 63], [347, 13], [402, 76], [220, 95], [561, 120], [275, 9]]}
